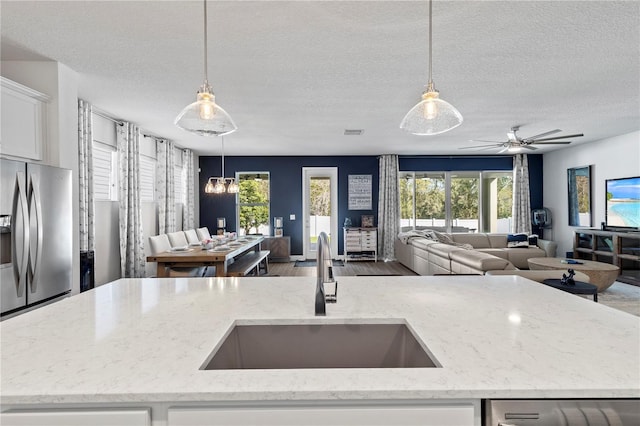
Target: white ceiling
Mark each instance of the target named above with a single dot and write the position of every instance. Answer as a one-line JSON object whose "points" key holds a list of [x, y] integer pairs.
{"points": [[295, 74]]}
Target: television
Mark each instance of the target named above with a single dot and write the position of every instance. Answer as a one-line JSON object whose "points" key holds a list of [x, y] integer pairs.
{"points": [[623, 203]]}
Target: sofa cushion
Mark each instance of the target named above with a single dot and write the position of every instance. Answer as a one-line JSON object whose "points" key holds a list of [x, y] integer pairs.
{"points": [[476, 240], [498, 252], [443, 250], [498, 240], [519, 255], [479, 261]]}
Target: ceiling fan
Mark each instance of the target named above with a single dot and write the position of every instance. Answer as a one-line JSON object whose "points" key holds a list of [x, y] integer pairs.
{"points": [[515, 143]]}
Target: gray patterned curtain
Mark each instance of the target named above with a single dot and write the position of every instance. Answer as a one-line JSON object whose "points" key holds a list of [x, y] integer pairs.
{"points": [[85, 175], [388, 206], [188, 221], [165, 190], [132, 259], [521, 197]]}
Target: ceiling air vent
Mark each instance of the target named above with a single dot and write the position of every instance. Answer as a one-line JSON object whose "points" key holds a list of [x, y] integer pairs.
{"points": [[353, 132]]}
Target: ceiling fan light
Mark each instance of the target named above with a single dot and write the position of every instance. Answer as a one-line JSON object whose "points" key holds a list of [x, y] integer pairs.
{"points": [[431, 116]]}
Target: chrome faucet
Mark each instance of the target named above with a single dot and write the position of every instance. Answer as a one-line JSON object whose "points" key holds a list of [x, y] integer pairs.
{"points": [[325, 275]]}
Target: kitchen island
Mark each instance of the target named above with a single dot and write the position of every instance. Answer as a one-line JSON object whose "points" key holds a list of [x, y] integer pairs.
{"points": [[139, 344]]}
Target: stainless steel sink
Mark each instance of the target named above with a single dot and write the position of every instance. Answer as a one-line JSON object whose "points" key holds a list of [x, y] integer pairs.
{"points": [[276, 346]]}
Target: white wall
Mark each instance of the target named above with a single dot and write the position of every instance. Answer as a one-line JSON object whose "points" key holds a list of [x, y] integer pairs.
{"points": [[614, 157]]}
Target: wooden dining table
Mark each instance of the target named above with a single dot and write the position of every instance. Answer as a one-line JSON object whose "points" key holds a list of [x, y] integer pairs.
{"points": [[220, 256]]}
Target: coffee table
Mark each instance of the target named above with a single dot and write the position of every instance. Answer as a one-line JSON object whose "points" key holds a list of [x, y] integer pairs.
{"points": [[601, 274], [578, 288]]}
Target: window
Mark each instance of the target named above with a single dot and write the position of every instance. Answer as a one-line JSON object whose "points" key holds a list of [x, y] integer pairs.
{"points": [[253, 203], [456, 201], [178, 178], [147, 178], [105, 172], [497, 188]]}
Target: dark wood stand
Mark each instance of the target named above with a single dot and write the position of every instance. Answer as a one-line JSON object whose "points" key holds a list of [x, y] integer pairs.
{"points": [[280, 248], [621, 249]]}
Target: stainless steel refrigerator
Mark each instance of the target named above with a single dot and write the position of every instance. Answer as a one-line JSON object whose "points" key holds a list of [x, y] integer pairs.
{"points": [[36, 234]]}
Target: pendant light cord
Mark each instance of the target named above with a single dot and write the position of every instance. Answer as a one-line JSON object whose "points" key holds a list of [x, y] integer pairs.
{"points": [[222, 157], [206, 80], [430, 40]]}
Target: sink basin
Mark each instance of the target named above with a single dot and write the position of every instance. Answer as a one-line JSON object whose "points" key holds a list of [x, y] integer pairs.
{"points": [[277, 346]]}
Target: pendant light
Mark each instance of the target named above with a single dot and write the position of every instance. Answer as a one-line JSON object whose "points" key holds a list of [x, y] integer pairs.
{"points": [[221, 185], [204, 117], [431, 115]]}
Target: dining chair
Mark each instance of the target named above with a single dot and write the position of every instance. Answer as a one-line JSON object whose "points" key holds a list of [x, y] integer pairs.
{"points": [[203, 233], [192, 236], [177, 239], [159, 244]]}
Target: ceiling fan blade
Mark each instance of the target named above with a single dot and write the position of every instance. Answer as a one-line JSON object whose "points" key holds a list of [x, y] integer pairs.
{"points": [[482, 140], [551, 143], [533, 148], [577, 135], [506, 148], [480, 146], [550, 132]]}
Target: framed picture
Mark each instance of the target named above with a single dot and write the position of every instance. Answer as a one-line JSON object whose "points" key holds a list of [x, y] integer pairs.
{"points": [[367, 221], [360, 192]]}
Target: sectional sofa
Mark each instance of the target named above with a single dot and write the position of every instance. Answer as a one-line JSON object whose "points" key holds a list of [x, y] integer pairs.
{"points": [[430, 253]]}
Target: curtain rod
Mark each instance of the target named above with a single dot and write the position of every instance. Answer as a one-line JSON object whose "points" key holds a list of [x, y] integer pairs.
{"points": [[162, 140], [105, 115]]}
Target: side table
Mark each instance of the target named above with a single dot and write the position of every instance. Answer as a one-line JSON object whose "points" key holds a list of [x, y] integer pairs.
{"points": [[578, 288]]}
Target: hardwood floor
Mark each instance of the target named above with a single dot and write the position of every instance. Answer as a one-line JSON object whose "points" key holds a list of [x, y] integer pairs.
{"points": [[349, 269]]}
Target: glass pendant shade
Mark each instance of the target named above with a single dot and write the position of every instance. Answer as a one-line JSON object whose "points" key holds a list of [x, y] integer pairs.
{"points": [[204, 117], [431, 116]]}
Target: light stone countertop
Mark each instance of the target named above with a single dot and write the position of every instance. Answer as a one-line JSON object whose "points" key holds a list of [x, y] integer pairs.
{"points": [[143, 340]]}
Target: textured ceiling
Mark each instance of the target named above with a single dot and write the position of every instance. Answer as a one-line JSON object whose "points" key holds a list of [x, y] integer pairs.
{"points": [[294, 75]]}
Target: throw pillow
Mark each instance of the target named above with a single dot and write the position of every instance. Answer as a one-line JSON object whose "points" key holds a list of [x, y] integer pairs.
{"points": [[513, 244]]}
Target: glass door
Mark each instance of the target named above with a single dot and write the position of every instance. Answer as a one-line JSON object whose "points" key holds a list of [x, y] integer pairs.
{"points": [[320, 208]]}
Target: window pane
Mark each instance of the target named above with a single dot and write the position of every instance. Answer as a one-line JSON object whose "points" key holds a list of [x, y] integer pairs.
{"points": [[465, 200], [253, 203], [406, 199], [430, 199], [319, 208], [497, 201]]}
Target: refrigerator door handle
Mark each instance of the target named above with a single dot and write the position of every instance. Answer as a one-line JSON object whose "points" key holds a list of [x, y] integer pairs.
{"points": [[34, 203], [19, 266]]}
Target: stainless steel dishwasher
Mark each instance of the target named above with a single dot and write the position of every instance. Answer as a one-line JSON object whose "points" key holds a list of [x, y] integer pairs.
{"points": [[562, 412]]}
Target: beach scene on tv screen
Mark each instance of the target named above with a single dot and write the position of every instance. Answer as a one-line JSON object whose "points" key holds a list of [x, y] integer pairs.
{"points": [[623, 202]]}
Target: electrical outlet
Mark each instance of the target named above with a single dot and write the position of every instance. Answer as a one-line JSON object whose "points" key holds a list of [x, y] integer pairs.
{"points": [[292, 217]]}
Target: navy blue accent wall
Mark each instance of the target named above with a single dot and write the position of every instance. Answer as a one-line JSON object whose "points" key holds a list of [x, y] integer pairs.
{"points": [[286, 184], [286, 190]]}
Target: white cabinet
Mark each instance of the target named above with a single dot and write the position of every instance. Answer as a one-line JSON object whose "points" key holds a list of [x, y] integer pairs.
{"points": [[360, 244], [72, 417], [425, 415], [23, 121]]}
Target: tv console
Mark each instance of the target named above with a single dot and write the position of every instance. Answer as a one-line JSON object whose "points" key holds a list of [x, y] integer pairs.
{"points": [[620, 248]]}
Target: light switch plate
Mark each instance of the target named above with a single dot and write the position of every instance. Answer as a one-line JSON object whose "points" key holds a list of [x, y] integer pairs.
{"points": [[292, 217]]}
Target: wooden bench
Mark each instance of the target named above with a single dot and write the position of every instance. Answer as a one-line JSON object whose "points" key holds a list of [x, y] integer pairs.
{"points": [[249, 264]]}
